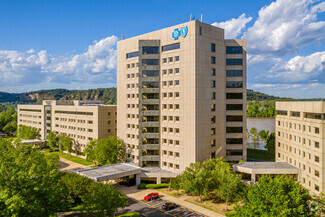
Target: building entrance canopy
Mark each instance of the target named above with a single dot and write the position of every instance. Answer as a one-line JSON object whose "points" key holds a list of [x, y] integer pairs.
{"points": [[110, 172]]}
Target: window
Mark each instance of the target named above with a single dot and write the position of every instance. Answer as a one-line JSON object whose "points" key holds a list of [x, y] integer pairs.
{"points": [[213, 142], [150, 84], [213, 60], [213, 119], [170, 83], [213, 72], [170, 59], [234, 84], [213, 83], [316, 144], [213, 131], [200, 32], [317, 159], [164, 83], [176, 94], [150, 73], [171, 47], [133, 54], [213, 95], [234, 96], [170, 94], [316, 187], [316, 173], [150, 50], [315, 116], [213, 107], [176, 70], [177, 58], [128, 66], [234, 50], [164, 72], [170, 71], [177, 82], [234, 152], [234, 73], [316, 130], [234, 118], [295, 114], [234, 62], [234, 141], [281, 112], [128, 76], [234, 130], [230, 107], [213, 47], [164, 60], [150, 62], [213, 155]]}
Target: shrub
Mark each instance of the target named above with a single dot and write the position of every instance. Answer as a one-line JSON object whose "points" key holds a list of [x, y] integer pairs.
{"points": [[131, 214], [153, 186]]}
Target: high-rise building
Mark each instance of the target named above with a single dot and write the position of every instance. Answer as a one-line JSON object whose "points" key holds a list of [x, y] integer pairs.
{"points": [[82, 120], [181, 96], [300, 140]]}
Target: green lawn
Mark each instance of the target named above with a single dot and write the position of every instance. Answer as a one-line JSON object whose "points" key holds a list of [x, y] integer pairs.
{"points": [[258, 154], [72, 158]]}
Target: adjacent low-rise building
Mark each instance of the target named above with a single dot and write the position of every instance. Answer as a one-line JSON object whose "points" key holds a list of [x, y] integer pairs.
{"points": [[82, 120], [300, 140]]}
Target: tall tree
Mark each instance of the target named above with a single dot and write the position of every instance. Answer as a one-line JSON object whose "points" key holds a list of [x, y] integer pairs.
{"points": [[26, 132], [230, 187], [106, 151], [275, 197], [28, 181], [52, 140], [253, 135]]}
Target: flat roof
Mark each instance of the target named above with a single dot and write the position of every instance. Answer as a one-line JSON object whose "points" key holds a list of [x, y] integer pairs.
{"points": [[266, 168], [108, 172]]}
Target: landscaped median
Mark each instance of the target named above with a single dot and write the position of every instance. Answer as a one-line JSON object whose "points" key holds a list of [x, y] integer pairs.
{"points": [[131, 214], [153, 186]]}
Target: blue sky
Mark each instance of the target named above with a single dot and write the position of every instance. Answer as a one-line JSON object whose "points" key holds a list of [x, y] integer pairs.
{"points": [[48, 44]]}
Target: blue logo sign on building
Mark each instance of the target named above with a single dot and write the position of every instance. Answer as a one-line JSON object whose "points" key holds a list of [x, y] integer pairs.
{"points": [[182, 32]]}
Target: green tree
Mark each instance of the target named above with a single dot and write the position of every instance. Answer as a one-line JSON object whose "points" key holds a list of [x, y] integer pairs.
{"points": [[52, 140], [270, 144], [26, 132], [103, 200], [194, 180], [319, 204], [273, 197], [28, 181], [253, 135], [106, 151], [176, 183], [230, 187], [65, 143]]}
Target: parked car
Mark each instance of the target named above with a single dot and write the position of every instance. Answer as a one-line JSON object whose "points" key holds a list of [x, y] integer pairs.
{"points": [[151, 196], [168, 206]]}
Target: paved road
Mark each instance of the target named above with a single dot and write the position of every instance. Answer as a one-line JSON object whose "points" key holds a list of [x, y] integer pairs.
{"points": [[153, 208], [142, 208]]}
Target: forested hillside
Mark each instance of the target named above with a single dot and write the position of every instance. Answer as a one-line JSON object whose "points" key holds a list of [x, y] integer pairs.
{"points": [[106, 95]]}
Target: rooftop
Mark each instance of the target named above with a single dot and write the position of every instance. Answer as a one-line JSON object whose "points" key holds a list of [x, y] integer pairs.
{"points": [[266, 168], [110, 171]]}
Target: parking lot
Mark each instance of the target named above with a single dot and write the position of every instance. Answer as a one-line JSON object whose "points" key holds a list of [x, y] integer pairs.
{"points": [[178, 211]]}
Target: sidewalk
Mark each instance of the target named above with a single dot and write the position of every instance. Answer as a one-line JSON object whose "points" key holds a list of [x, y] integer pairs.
{"points": [[67, 165], [134, 193]]}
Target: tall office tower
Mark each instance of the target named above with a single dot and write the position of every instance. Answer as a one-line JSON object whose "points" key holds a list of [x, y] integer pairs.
{"points": [[82, 120], [181, 96], [300, 140]]}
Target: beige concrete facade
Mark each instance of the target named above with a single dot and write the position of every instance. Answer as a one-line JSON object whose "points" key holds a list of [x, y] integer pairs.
{"points": [[300, 140], [173, 111], [81, 120]]}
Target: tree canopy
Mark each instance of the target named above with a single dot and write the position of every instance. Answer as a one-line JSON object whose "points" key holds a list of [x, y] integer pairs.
{"points": [[26, 132], [32, 185], [106, 151], [273, 197]]}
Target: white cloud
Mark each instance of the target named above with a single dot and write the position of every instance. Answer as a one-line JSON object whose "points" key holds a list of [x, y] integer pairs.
{"points": [[97, 65], [300, 68], [286, 26], [234, 27]]}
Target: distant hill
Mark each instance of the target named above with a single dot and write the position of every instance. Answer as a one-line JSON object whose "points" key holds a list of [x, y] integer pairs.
{"points": [[106, 95]]}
